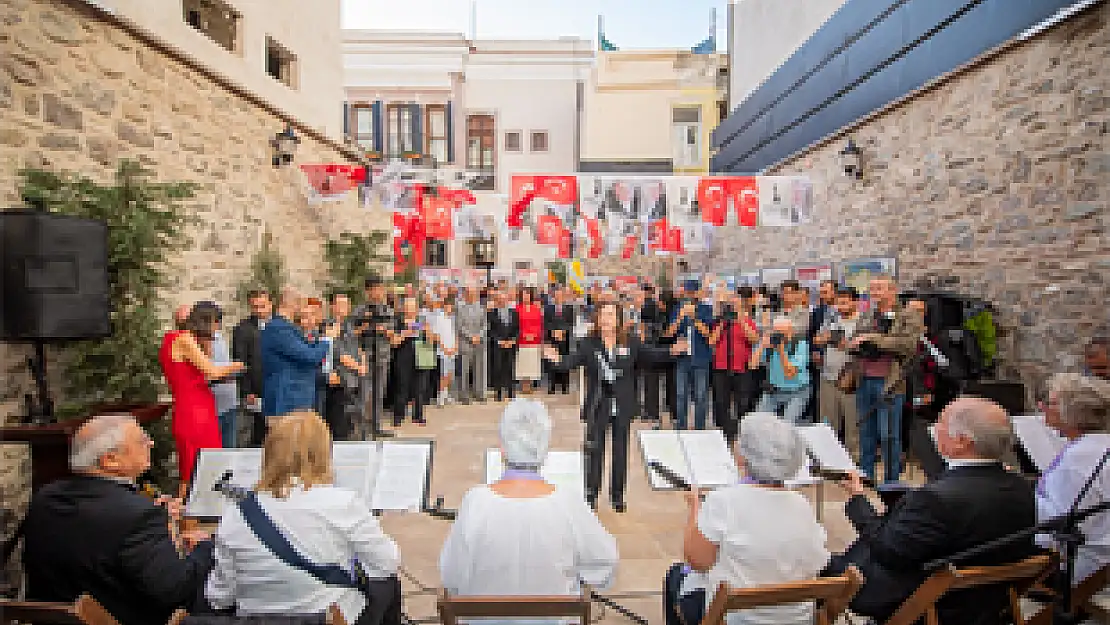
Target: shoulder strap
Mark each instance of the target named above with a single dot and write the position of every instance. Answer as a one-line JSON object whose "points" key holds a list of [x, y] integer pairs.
{"points": [[266, 531]]}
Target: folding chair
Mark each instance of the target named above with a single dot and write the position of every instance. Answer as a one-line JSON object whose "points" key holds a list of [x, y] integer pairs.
{"points": [[332, 617], [1081, 596], [830, 594], [1018, 577], [451, 609], [84, 611]]}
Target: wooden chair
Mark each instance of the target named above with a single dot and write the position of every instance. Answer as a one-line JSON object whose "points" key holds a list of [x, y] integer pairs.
{"points": [[451, 609], [332, 617], [831, 595], [1018, 577], [1081, 597], [84, 611]]}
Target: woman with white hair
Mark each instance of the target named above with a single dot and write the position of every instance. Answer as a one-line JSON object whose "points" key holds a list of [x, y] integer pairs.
{"points": [[1079, 409], [726, 542], [522, 535]]}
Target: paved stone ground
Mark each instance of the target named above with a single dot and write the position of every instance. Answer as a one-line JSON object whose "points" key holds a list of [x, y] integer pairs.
{"points": [[649, 534]]}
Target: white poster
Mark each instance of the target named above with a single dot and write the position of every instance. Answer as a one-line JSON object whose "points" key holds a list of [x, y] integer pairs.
{"points": [[784, 200]]}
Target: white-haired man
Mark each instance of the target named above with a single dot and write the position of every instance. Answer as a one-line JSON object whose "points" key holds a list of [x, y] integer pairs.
{"points": [[786, 357], [93, 533], [975, 501], [725, 542]]}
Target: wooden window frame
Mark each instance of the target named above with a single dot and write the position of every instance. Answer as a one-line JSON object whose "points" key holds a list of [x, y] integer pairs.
{"points": [[355, 135], [289, 66], [236, 41], [404, 129], [487, 137], [429, 109], [441, 244]]}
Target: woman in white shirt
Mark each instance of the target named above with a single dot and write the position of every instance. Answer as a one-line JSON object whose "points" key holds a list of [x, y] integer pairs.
{"points": [[325, 524], [753, 534], [1079, 409], [522, 535]]}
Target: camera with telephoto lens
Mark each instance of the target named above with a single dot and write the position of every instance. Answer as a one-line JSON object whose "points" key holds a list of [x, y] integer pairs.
{"points": [[374, 316]]}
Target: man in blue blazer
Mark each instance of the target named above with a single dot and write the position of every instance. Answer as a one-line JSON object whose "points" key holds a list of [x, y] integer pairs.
{"points": [[290, 363]]}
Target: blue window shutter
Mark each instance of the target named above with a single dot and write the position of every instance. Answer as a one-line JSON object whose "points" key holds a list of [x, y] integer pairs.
{"points": [[450, 134], [346, 119], [379, 127], [417, 128]]}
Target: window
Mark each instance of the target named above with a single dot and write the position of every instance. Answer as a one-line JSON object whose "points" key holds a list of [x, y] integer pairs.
{"points": [[481, 146], [435, 253], [281, 64], [363, 125], [216, 20], [399, 130], [483, 252], [436, 133], [512, 141], [686, 136], [539, 141]]}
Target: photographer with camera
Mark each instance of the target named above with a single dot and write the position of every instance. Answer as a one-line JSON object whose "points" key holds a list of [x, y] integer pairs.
{"points": [[691, 322], [837, 399], [887, 336], [734, 334], [371, 322], [787, 359]]}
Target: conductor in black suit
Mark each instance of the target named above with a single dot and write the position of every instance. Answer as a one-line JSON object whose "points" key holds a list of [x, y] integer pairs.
{"points": [[94, 533], [504, 332], [611, 358], [975, 501], [558, 320]]}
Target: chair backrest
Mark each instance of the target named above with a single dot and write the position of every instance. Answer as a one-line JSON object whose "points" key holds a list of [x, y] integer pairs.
{"points": [[84, 611], [1018, 577], [829, 594], [1081, 596], [332, 617], [453, 608]]}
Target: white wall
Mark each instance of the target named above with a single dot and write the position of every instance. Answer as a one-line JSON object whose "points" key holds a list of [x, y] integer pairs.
{"points": [[765, 33], [310, 30]]}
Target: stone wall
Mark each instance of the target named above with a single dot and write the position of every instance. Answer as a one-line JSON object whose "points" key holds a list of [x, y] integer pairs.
{"points": [[997, 177], [78, 92]]}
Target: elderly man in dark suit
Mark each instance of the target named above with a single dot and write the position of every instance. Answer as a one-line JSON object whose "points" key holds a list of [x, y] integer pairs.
{"points": [[291, 362], [94, 533], [977, 500]]}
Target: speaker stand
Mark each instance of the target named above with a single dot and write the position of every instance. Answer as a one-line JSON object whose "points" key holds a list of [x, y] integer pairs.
{"points": [[39, 407]]}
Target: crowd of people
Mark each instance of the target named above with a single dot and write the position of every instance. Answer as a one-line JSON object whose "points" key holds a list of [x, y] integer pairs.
{"points": [[762, 362]]}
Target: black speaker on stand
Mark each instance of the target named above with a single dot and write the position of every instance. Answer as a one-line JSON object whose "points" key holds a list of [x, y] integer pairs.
{"points": [[54, 281]]}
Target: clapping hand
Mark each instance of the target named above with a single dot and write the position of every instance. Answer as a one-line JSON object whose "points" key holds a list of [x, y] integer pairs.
{"points": [[550, 353], [680, 346]]}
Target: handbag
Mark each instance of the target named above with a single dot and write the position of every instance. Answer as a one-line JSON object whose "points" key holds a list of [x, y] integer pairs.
{"points": [[848, 380], [425, 355]]}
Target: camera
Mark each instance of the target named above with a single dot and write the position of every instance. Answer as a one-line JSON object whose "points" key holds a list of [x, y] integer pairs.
{"points": [[777, 338], [836, 336]]}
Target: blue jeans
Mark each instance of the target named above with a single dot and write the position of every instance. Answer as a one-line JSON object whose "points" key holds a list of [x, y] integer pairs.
{"points": [[227, 426], [691, 379], [791, 403], [880, 420]]}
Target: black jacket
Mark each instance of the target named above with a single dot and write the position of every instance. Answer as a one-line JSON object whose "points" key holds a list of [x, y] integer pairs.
{"points": [[563, 321], [246, 347], [501, 331], [965, 507], [625, 362], [93, 535]]}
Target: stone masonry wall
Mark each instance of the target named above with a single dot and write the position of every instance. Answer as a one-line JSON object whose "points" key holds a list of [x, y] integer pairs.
{"points": [[999, 177], [77, 93]]}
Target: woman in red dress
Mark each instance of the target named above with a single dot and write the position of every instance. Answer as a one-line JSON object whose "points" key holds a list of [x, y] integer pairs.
{"points": [[188, 369], [528, 359]]}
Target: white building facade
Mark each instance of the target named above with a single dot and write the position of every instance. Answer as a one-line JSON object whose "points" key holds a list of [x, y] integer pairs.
{"points": [[496, 107]]}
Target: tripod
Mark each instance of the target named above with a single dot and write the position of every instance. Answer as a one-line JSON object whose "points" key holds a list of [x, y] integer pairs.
{"points": [[1064, 529]]}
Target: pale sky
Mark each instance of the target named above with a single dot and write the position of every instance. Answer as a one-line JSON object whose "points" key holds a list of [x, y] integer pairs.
{"points": [[629, 24]]}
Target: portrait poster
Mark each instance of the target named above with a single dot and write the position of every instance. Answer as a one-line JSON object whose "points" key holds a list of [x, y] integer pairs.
{"points": [[633, 198], [784, 200], [775, 276], [858, 273]]}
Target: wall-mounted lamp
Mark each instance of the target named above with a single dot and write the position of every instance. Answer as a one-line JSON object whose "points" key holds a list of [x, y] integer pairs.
{"points": [[283, 145], [851, 158]]}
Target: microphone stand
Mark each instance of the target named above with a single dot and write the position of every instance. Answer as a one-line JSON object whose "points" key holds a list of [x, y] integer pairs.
{"points": [[1064, 529]]}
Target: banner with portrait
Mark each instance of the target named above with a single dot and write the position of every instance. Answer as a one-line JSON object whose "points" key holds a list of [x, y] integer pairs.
{"points": [[785, 200]]}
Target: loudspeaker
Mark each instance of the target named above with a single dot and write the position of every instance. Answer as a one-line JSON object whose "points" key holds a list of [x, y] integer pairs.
{"points": [[54, 278]]}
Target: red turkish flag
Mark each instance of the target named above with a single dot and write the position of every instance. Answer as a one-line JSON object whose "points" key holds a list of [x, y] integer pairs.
{"points": [[436, 214], [629, 247], [593, 231], [657, 236], [557, 189], [522, 190], [548, 230], [565, 242], [457, 197], [713, 193], [674, 241], [745, 196]]}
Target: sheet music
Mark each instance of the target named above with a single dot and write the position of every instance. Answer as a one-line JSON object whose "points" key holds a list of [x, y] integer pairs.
{"points": [[825, 446], [355, 464], [562, 469], [245, 465], [709, 458], [664, 447], [402, 476], [1040, 441], [804, 477]]}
